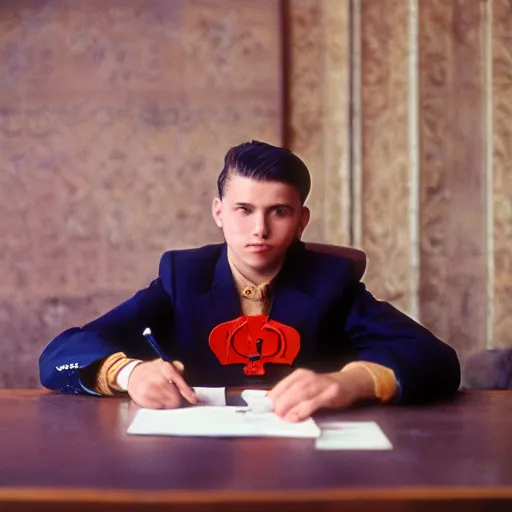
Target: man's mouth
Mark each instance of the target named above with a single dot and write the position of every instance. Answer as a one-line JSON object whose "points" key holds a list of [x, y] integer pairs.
{"points": [[258, 247]]}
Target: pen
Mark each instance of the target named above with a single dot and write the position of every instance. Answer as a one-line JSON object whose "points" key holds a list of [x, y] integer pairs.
{"points": [[156, 347]]}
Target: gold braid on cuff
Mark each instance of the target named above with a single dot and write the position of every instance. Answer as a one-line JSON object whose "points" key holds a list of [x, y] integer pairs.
{"points": [[385, 384], [105, 383]]}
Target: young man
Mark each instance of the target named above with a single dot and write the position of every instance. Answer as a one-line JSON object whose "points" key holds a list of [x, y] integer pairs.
{"points": [[258, 309]]}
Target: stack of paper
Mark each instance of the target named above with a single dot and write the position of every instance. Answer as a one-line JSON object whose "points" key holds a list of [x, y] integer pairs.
{"points": [[352, 435], [210, 396], [214, 421]]}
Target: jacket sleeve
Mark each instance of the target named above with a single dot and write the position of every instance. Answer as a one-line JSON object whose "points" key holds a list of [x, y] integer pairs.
{"points": [[66, 358], [426, 368]]}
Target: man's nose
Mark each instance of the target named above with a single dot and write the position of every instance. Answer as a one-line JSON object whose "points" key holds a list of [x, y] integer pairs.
{"points": [[261, 227]]}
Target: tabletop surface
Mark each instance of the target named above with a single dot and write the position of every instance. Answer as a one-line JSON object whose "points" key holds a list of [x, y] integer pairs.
{"points": [[50, 440]]}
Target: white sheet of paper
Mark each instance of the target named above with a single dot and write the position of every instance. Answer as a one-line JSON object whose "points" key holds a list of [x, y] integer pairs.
{"points": [[210, 396], [212, 421], [352, 435], [257, 400]]}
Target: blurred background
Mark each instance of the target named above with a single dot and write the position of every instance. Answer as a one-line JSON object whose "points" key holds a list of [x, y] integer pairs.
{"points": [[115, 116]]}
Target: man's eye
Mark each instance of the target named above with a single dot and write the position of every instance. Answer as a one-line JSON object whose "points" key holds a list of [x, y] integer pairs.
{"points": [[243, 209], [281, 212]]}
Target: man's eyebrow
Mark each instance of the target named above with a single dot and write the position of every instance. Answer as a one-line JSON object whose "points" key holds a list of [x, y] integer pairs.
{"points": [[271, 207], [282, 205]]}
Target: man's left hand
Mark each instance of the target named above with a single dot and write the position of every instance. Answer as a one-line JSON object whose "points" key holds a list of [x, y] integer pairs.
{"points": [[303, 392]]}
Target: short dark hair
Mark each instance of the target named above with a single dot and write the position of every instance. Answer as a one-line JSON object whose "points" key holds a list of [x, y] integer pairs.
{"points": [[264, 162]]}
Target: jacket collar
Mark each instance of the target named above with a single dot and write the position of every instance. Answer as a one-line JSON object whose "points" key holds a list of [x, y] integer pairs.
{"points": [[290, 303], [289, 275]]}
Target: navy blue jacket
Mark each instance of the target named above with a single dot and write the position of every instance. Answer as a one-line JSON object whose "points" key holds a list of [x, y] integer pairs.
{"points": [[318, 294]]}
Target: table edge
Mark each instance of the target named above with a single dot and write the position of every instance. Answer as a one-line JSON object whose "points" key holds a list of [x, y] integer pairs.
{"points": [[196, 496]]}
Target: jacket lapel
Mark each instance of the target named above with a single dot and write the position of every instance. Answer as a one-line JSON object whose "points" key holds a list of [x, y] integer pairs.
{"points": [[292, 305], [220, 302]]}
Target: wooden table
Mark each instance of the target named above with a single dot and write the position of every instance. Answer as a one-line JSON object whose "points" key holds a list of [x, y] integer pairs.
{"points": [[62, 452]]}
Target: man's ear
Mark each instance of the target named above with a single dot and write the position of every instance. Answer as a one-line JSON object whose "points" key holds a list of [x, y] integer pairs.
{"points": [[217, 211], [304, 220]]}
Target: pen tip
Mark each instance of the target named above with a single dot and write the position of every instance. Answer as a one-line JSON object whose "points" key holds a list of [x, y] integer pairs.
{"points": [[147, 331]]}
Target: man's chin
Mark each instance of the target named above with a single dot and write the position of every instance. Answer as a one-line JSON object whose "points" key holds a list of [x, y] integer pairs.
{"points": [[263, 263]]}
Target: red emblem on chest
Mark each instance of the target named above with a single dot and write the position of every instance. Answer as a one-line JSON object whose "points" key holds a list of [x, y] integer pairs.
{"points": [[254, 341]]}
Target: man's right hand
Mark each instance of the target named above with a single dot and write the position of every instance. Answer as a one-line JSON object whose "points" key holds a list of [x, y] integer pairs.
{"points": [[159, 385]]}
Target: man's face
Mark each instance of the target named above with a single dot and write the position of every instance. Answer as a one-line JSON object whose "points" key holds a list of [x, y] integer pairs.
{"points": [[260, 219]]}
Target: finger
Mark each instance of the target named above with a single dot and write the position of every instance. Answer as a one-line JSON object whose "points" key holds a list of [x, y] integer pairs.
{"points": [[322, 397], [172, 374], [291, 397], [148, 400], [288, 382], [303, 410], [169, 395], [157, 392], [179, 366]]}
